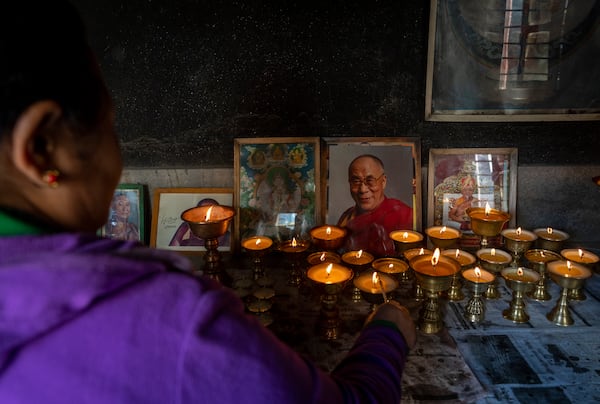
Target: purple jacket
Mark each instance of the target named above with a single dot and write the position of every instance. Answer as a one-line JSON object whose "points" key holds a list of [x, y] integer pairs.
{"points": [[90, 320]]}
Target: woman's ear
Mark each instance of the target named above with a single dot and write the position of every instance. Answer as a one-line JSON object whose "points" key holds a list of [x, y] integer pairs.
{"points": [[33, 140]]}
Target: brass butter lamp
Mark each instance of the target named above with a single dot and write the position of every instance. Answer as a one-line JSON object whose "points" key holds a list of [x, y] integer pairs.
{"points": [[487, 222], [568, 276], [520, 280], [209, 223], [434, 273], [329, 279], [477, 280]]}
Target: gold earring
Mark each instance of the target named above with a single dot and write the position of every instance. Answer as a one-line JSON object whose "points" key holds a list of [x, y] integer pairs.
{"points": [[50, 177]]}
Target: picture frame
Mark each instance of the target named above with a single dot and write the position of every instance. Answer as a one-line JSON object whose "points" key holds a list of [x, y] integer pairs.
{"points": [[402, 161], [531, 62], [488, 174], [127, 217], [170, 232], [276, 187]]}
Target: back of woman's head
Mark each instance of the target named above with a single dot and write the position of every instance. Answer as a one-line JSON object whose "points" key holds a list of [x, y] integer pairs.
{"points": [[44, 55]]}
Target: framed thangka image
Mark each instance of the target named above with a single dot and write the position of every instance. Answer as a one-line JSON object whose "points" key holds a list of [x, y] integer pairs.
{"points": [[276, 187], [170, 232], [127, 214], [462, 178]]}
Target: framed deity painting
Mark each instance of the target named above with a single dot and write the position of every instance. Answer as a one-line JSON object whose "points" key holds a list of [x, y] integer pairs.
{"points": [[276, 187], [126, 219], [459, 179], [520, 60], [170, 232], [401, 157]]}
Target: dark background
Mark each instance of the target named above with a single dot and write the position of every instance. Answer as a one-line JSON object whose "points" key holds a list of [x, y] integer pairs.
{"points": [[190, 76]]}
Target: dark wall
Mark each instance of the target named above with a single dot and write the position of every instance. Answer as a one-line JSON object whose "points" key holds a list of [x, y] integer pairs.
{"points": [[190, 76]]}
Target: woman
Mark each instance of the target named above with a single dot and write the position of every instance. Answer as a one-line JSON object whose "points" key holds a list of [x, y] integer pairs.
{"points": [[86, 319]]}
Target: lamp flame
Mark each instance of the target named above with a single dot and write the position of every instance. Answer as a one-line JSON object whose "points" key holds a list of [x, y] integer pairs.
{"points": [[443, 230], [542, 254], [477, 272], [493, 252], [405, 235], [294, 242], [580, 252], [487, 209], [258, 241], [519, 231], [375, 279], [422, 251], [208, 212], [322, 257], [328, 231], [436, 257], [549, 230], [457, 253], [359, 254], [328, 269], [520, 271], [569, 265]]}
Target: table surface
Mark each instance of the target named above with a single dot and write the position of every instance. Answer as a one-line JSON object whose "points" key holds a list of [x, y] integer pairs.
{"points": [[494, 361]]}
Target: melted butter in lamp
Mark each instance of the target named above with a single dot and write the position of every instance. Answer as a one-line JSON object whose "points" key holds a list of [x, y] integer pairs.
{"points": [[294, 246], [323, 256], [519, 234], [541, 256], [413, 252], [390, 265], [487, 214], [369, 283], [524, 275], [494, 256], [205, 214], [329, 273], [328, 233], [257, 243], [443, 232], [359, 257], [569, 269], [464, 258], [478, 275], [435, 264], [551, 234], [406, 236], [580, 256]]}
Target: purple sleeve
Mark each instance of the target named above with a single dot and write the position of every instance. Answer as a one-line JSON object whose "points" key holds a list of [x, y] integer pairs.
{"points": [[229, 357], [372, 371]]}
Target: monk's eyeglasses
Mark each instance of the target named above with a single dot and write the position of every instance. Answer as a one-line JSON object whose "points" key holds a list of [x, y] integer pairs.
{"points": [[370, 181]]}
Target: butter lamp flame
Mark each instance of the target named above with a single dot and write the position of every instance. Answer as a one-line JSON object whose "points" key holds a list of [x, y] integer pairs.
{"points": [[435, 258]]}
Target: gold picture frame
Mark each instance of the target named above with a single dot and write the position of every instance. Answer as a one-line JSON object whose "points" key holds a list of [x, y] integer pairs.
{"points": [[402, 160], [276, 187], [170, 232], [522, 61], [489, 174]]}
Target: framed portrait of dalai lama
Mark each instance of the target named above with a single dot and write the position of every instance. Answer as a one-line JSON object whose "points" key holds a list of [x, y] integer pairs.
{"points": [[401, 159]]}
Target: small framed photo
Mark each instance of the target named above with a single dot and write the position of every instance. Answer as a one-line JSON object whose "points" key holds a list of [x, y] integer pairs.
{"points": [[170, 232], [277, 187], [462, 178], [401, 158], [126, 220]]}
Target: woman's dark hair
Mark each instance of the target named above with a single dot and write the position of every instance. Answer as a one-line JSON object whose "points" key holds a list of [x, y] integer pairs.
{"points": [[44, 55]]}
